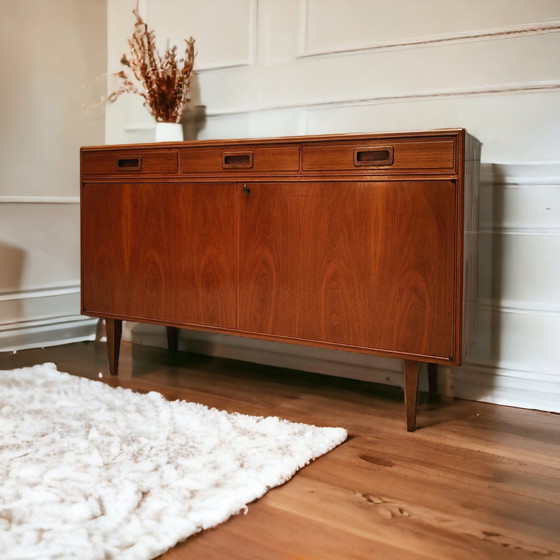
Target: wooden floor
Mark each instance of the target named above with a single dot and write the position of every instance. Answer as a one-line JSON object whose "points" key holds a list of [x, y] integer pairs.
{"points": [[476, 481]]}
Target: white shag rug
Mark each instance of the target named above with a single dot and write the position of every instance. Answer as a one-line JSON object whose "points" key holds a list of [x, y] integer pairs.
{"points": [[88, 471]]}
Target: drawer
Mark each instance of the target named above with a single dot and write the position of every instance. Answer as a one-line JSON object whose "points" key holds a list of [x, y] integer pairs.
{"points": [[152, 162], [235, 159], [434, 156]]}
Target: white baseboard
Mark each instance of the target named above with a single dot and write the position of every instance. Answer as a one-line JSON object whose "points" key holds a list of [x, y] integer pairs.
{"points": [[45, 316], [497, 385], [46, 332]]}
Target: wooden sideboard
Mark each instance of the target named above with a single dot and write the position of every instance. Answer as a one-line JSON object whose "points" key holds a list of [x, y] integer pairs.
{"points": [[363, 243]]}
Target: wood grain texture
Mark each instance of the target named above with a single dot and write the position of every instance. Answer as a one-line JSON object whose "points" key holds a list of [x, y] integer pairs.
{"points": [[368, 265], [483, 482], [470, 159], [435, 156], [264, 158], [152, 251], [108, 163]]}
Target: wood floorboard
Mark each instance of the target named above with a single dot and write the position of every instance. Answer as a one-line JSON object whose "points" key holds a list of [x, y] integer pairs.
{"points": [[476, 481]]}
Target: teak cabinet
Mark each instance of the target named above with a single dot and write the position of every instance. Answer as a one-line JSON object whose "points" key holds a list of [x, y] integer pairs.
{"points": [[362, 243]]}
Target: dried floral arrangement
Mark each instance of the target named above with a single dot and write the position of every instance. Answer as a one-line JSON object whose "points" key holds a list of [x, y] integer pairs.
{"points": [[163, 81]]}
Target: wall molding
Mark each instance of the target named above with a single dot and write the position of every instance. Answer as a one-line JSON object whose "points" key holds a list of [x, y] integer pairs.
{"points": [[39, 199], [505, 306], [496, 370], [541, 231], [425, 41], [534, 87], [253, 32], [43, 317], [501, 385], [513, 373], [526, 88], [525, 174], [208, 68], [40, 293]]}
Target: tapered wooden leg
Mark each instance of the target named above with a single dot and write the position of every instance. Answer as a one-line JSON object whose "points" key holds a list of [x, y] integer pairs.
{"points": [[114, 333], [411, 370], [432, 378], [172, 338]]}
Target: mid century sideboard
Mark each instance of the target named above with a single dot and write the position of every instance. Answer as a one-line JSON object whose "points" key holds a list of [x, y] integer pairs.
{"points": [[363, 243]]}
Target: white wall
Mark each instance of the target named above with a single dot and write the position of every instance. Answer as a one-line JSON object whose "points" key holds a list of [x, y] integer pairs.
{"points": [[276, 67], [52, 71]]}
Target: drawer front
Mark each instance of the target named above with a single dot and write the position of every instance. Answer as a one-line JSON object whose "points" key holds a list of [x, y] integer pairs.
{"points": [[245, 159], [433, 156], [152, 162]]}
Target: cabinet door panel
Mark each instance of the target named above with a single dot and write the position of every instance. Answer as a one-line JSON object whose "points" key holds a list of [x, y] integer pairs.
{"points": [[160, 252], [368, 264]]}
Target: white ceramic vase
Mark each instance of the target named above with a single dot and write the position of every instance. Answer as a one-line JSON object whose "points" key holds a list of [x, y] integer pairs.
{"points": [[169, 132]]}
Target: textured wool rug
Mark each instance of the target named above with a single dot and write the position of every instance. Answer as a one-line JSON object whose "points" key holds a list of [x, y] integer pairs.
{"points": [[93, 472]]}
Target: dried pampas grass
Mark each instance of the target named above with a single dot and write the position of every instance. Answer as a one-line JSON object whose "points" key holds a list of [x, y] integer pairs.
{"points": [[163, 82]]}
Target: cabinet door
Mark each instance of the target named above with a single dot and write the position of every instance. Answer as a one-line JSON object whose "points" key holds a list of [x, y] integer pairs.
{"points": [[361, 264], [160, 252]]}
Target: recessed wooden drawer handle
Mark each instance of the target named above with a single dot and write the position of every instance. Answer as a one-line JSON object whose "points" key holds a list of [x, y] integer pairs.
{"points": [[373, 156], [129, 164], [237, 160]]}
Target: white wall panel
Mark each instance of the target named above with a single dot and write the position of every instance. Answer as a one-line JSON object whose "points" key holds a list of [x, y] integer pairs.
{"points": [[225, 30], [39, 276], [520, 270], [499, 72], [39, 243], [362, 24], [525, 270], [487, 67], [517, 340], [279, 31], [530, 208], [51, 71]]}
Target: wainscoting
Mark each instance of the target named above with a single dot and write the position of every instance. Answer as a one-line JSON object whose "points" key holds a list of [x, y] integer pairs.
{"points": [[39, 277], [52, 73]]}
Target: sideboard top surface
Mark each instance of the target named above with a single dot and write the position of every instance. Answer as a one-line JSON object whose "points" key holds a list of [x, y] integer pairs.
{"points": [[288, 139]]}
